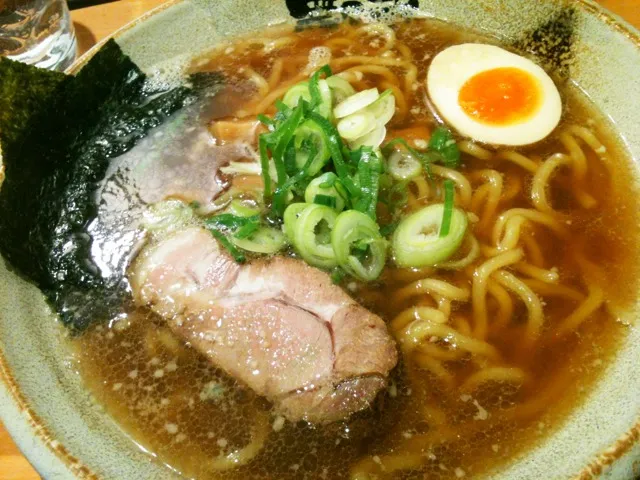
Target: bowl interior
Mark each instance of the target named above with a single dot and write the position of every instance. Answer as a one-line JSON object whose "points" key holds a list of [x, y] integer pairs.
{"points": [[66, 435]]}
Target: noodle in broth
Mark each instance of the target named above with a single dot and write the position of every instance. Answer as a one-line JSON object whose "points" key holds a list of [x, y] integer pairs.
{"points": [[496, 343]]}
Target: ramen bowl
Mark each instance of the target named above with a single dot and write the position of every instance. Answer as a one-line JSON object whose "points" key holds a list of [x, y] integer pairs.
{"points": [[65, 434]]}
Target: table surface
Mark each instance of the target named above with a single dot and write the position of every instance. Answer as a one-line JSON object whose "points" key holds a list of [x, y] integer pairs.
{"points": [[93, 24]]}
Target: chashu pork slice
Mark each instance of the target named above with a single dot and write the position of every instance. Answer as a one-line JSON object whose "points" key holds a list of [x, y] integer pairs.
{"points": [[278, 325]]}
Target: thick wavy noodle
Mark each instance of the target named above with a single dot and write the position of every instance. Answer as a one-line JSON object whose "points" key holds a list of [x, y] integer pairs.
{"points": [[515, 266], [492, 340]]}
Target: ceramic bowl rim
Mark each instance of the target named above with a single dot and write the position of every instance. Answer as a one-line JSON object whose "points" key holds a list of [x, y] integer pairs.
{"points": [[74, 465]]}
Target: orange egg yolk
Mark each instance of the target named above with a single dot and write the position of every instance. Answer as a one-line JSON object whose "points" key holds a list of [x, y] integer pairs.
{"points": [[501, 96]]}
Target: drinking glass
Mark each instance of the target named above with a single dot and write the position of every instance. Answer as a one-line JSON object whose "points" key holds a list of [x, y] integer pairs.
{"points": [[38, 32]]}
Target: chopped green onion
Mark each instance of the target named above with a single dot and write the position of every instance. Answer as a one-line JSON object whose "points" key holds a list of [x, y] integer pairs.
{"points": [[359, 248], [302, 139], [242, 208], [342, 192], [448, 208], [268, 122], [340, 87], [397, 196], [246, 230], [266, 240], [281, 193], [403, 166], [423, 158], [278, 141], [284, 111], [312, 236], [294, 94], [316, 189], [388, 229], [443, 143], [417, 243], [337, 275], [320, 92], [326, 200], [249, 234], [384, 108], [230, 221], [325, 108], [264, 165], [281, 138], [313, 134], [335, 148], [373, 139], [326, 69], [329, 181], [356, 102], [167, 216], [290, 217], [368, 179], [237, 255], [388, 148], [290, 157], [356, 125]]}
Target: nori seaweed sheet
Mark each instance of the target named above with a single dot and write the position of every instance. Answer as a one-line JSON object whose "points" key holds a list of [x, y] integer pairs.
{"points": [[58, 134]]}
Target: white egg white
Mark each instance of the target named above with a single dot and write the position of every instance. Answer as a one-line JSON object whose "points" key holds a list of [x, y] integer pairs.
{"points": [[451, 69]]}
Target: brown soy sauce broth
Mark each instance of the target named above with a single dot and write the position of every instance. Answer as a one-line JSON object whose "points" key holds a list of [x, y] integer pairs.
{"points": [[187, 412]]}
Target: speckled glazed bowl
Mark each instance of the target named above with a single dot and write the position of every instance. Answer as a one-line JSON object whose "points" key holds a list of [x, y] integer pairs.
{"points": [[65, 436]]}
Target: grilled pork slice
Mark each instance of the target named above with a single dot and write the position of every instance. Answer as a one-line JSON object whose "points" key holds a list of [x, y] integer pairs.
{"points": [[278, 325]]}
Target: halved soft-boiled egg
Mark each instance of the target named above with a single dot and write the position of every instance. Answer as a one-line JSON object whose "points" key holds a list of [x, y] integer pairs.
{"points": [[492, 95]]}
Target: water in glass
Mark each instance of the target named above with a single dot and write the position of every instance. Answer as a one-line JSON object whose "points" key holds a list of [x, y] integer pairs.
{"points": [[38, 32]]}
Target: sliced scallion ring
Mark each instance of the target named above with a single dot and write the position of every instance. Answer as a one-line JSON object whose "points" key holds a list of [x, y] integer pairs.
{"points": [[356, 125], [293, 95], [325, 184], [356, 102], [326, 105], [383, 108], [167, 215], [312, 236], [242, 208], [310, 130], [291, 215], [340, 87], [416, 241], [359, 248], [403, 166], [372, 139], [263, 240]]}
